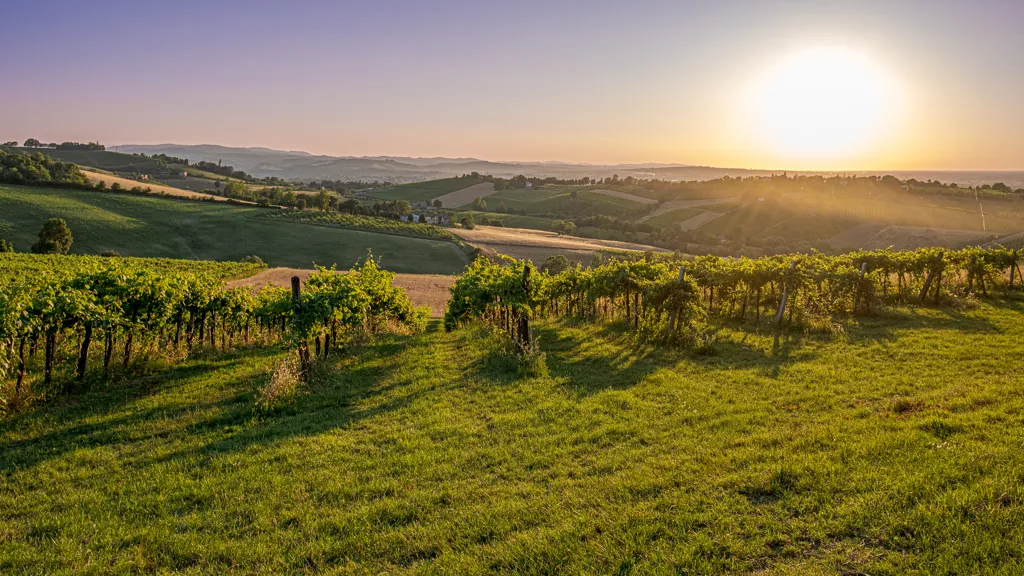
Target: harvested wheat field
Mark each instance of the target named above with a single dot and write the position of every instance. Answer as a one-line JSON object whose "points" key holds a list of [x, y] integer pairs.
{"points": [[423, 289], [536, 245], [463, 197], [156, 188]]}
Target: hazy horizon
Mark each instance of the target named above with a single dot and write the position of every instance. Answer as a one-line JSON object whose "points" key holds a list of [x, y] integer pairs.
{"points": [[798, 86]]}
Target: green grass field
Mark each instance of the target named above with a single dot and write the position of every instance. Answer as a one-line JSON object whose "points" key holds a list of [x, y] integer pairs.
{"points": [[509, 220], [892, 449], [558, 203], [674, 217], [158, 227], [420, 191]]}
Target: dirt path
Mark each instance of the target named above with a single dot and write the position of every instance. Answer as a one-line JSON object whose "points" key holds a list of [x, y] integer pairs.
{"points": [[423, 289], [678, 204]]}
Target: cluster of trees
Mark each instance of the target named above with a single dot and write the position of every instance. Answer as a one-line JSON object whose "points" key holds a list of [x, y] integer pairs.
{"points": [[563, 227], [39, 170], [35, 143]]}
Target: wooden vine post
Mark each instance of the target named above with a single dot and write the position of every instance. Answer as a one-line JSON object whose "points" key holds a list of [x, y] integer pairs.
{"points": [[785, 294], [524, 317], [303, 346]]}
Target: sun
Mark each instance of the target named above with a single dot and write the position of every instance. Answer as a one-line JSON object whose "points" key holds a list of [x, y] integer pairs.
{"points": [[824, 102]]}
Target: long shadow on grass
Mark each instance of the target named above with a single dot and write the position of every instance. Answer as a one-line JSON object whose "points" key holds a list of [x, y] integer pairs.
{"points": [[329, 405], [608, 357], [885, 328], [84, 413]]}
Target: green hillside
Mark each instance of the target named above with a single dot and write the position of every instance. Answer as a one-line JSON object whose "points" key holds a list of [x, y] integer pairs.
{"points": [[158, 227], [862, 453], [422, 191], [131, 164]]}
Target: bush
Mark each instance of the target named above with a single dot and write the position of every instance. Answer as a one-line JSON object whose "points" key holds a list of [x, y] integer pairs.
{"points": [[6, 246], [110, 254], [252, 259]]}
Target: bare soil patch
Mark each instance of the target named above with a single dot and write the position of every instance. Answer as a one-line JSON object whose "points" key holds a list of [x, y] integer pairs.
{"points": [[465, 196], [522, 237], [423, 289]]}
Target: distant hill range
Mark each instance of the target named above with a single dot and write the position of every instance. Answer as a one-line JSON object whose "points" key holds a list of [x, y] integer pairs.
{"points": [[293, 165]]}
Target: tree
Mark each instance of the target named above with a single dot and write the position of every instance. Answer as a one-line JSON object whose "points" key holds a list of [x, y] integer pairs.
{"points": [[563, 227], [32, 143], [555, 264], [6, 246], [236, 190], [11, 143], [574, 194], [467, 222], [437, 204], [479, 204], [54, 238], [301, 204], [322, 200], [501, 207]]}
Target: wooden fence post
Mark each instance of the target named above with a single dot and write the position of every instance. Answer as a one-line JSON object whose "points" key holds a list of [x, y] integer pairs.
{"points": [[785, 295]]}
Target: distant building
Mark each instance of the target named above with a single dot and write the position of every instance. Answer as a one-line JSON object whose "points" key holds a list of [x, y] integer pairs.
{"points": [[437, 218]]}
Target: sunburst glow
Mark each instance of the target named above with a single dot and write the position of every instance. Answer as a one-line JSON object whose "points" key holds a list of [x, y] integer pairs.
{"points": [[823, 102]]}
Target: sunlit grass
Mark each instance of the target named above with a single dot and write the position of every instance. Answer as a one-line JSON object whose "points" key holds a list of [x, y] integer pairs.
{"points": [[895, 448]]}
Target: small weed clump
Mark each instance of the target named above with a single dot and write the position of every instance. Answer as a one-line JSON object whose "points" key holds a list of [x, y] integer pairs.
{"points": [[282, 388]]}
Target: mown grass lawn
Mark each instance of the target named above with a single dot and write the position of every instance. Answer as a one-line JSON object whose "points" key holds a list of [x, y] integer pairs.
{"points": [[165, 228], [895, 448]]}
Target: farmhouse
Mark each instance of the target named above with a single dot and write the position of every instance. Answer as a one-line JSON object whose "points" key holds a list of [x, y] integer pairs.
{"points": [[438, 218]]}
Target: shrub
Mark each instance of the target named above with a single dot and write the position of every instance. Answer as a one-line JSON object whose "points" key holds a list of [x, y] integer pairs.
{"points": [[252, 259]]}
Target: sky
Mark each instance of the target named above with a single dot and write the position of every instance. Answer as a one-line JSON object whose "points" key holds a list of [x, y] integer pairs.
{"points": [[589, 81]]}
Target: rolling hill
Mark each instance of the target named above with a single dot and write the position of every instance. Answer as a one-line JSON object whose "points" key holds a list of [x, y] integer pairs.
{"points": [[158, 227]]}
